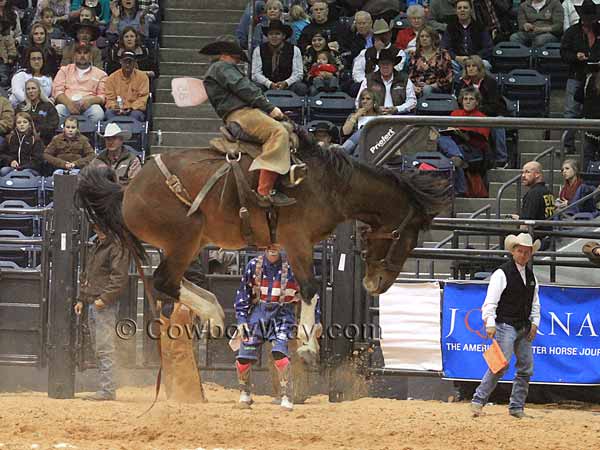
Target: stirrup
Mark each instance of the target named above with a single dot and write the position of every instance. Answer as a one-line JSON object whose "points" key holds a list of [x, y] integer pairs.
{"points": [[275, 199]]}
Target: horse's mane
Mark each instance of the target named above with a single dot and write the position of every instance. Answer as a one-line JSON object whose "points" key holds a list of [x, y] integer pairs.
{"points": [[427, 193]]}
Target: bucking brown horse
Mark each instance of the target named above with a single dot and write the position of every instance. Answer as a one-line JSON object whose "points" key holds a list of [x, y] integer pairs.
{"points": [[337, 188]]}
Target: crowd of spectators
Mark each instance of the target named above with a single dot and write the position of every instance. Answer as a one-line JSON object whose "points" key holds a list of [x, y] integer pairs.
{"points": [[88, 60], [396, 52]]}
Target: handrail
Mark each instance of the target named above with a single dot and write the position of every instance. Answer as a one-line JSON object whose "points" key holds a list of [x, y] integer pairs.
{"points": [[575, 203], [534, 223], [26, 211]]}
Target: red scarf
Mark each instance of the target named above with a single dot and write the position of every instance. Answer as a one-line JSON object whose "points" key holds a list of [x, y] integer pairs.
{"points": [[569, 189]]}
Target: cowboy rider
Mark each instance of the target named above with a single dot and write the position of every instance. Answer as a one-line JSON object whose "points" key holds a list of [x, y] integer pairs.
{"points": [[237, 99], [265, 311]]}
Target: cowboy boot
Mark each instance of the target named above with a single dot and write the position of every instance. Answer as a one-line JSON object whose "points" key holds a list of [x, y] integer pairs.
{"points": [[243, 374], [266, 195], [285, 382]]}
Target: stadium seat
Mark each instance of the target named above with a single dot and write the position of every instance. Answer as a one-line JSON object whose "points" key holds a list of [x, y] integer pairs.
{"points": [[86, 127], [531, 89], [48, 190], [26, 225], [139, 132], [23, 256], [21, 185], [334, 107], [507, 56], [547, 60], [436, 105], [290, 103]]}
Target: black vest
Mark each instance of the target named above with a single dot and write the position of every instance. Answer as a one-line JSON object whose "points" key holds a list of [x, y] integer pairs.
{"points": [[514, 307], [398, 88], [286, 61]]}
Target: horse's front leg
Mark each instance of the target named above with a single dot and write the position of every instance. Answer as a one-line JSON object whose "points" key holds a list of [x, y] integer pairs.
{"points": [[301, 261]]}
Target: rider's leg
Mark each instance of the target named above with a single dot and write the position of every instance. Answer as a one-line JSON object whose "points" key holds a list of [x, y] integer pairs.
{"points": [[266, 181]]}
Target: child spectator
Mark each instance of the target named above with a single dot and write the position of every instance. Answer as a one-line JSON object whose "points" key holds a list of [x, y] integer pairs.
{"points": [[100, 9], [8, 53], [23, 148], [61, 8], [70, 149], [323, 74], [319, 44], [42, 110], [53, 30], [298, 21]]}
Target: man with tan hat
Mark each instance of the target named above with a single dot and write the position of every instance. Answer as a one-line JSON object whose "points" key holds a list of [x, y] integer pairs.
{"points": [[511, 313], [121, 158]]}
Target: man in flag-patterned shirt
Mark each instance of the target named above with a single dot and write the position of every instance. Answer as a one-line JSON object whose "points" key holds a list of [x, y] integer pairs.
{"points": [[265, 311]]}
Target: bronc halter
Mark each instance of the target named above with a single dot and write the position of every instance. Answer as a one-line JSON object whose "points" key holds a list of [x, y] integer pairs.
{"points": [[394, 236]]}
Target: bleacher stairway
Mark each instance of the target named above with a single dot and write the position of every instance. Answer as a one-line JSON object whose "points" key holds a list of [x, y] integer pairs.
{"points": [[187, 26]]}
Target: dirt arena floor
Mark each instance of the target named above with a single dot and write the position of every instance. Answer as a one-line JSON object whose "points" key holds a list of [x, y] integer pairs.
{"points": [[33, 421]]}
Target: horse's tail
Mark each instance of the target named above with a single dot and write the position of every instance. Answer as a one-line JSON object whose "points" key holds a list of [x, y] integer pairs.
{"points": [[101, 196]]}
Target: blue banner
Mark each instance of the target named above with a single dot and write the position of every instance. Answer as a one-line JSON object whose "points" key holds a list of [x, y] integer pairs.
{"points": [[566, 349]]}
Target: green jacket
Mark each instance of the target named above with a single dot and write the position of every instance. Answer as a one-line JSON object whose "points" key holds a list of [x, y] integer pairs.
{"points": [[228, 90]]}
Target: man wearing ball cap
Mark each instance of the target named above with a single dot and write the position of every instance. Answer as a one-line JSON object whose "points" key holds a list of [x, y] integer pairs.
{"points": [[511, 313]]}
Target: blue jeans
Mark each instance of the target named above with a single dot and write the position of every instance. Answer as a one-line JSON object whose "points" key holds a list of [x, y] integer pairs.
{"points": [[499, 138], [573, 109], [351, 144], [140, 116], [94, 113], [102, 330], [511, 341], [450, 148], [529, 39]]}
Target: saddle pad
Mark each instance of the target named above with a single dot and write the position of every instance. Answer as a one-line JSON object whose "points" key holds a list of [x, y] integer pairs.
{"points": [[233, 148]]}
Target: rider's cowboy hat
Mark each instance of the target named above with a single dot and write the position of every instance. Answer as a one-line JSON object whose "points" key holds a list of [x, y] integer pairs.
{"points": [[523, 239], [224, 45], [278, 25], [381, 26], [93, 27], [114, 130]]}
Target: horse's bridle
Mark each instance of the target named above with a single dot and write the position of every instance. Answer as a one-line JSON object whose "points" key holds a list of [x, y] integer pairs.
{"points": [[394, 236]]}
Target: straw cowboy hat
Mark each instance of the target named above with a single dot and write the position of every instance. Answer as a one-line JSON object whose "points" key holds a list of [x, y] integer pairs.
{"points": [[224, 45], [523, 239], [114, 130]]}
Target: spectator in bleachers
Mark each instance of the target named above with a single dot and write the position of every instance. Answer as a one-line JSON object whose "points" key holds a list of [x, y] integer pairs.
{"points": [[467, 146], [127, 90], [465, 37], [430, 67], [368, 106], [41, 110], [8, 54], [571, 16], [241, 31], [87, 33], [366, 61], [277, 64], [9, 15], [70, 149], [120, 157], [575, 49], [406, 39], [394, 88], [79, 88], [34, 67], [540, 22], [334, 31], [325, 133], [588, 95], [492, 103], [53, 30], [362, 38], [273, 10], [151, 11], [101, 9], [323, 74], [61, 8], [131, 41], [39, 39], [126, 13], [442, 13], [23, 148], [574, 189], [319, 44], [7, 119], [494, 15], [299, 20]]}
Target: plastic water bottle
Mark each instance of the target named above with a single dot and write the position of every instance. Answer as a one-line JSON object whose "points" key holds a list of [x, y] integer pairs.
{"points": [[120, 102]]}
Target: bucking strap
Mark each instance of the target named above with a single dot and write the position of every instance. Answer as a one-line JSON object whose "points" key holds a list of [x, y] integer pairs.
{"points": [[173, 181]]}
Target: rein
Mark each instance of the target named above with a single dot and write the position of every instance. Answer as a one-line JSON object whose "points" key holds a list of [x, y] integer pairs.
{"points": [[394, 236]]}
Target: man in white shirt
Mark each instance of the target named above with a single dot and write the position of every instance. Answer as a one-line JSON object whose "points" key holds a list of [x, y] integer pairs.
{"points": [[396, 91], [511, 313], [277, 64]]}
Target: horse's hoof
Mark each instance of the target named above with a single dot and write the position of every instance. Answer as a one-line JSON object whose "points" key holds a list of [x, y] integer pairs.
{"points": [[308, 355]]}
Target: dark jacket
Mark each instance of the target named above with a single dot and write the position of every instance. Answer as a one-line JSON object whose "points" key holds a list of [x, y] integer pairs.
{"points": [[375, 82], [516, 301], [575, 41], [286, 60], [356, 44], [538, 203], [106, 272], [228, 90], [587, 95], [62, 150], [333, 30], [26, 149], [124, 164], [45, 119], [474, 40], [492, 103]]}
